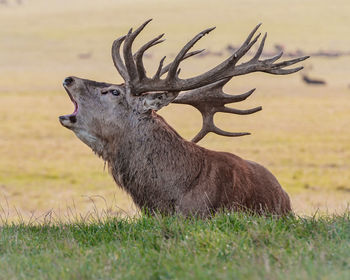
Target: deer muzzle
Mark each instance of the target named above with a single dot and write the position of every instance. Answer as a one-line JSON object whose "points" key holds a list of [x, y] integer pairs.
{"points": [[68, 120]]}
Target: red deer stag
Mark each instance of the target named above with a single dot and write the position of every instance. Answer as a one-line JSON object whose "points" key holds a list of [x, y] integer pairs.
{"points": [[148, 158]]}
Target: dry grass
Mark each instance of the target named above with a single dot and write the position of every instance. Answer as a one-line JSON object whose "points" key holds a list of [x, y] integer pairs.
{"points": [[302, 134]]}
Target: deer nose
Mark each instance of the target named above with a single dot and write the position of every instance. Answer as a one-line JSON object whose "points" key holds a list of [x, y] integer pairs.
{"points": [[68, 81]]}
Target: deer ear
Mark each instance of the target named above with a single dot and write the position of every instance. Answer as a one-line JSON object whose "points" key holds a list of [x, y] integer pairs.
{"points": [[156, 101]]}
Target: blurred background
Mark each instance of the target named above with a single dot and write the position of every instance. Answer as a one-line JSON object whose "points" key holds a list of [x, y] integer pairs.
{"points": [[302, 135]]}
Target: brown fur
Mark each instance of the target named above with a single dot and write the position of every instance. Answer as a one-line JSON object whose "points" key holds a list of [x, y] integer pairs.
{"points": [[182, 176]]}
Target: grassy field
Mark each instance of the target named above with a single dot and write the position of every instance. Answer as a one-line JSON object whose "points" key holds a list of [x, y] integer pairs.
{"points": [[302, 135], [226, 247]]}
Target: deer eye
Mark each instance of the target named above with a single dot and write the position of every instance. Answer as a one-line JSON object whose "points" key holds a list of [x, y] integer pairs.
{"points": [[115, 92]]}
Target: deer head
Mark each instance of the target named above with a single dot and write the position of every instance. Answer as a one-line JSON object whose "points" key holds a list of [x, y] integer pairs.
{"points": [[103, 110]]}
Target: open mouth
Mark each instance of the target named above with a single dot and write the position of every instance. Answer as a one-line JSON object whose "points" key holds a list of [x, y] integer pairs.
{"points": [[73, 116]]}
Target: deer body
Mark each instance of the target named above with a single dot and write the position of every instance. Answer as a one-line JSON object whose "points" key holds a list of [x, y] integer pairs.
{"points": [[148, 158], [164, 172]]}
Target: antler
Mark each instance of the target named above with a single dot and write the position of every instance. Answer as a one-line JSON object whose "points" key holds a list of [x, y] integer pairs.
{"points": [[210, 100], [204, 91], [134, 72]]}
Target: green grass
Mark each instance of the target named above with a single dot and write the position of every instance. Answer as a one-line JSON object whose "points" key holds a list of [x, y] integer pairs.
{"points": [[230, 246]]}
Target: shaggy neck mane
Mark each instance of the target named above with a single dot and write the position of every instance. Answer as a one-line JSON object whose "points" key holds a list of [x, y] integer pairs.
{"points": [[153, 163]]}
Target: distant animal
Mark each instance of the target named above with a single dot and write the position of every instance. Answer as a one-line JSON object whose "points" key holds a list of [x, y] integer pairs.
{"points": [[279, 47], [159, 169], [210, 53], [312, 81], [85, 55], [6, 2], [231, 48]]}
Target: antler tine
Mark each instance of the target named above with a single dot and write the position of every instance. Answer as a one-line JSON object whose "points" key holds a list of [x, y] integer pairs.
{"points": [[127, 51], [276, 68], [211, 94], [251, 34], [139, 55], [291, 62], [166, 68], [246, 46], [260, 49], [117, 60], [175, 64], [227, 133], [221, 71], [273, 59], [209, 126], [193, 53], [157, 74], [240, 112], [284, 71], [268, 66], [211, 99], [200, 135], [239, 97]]}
